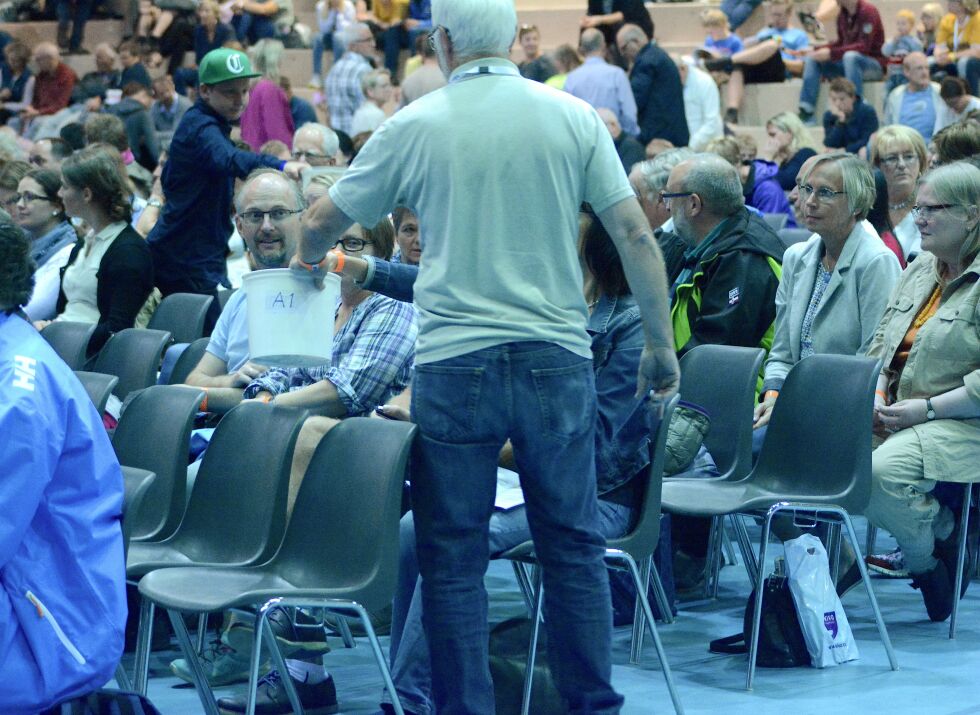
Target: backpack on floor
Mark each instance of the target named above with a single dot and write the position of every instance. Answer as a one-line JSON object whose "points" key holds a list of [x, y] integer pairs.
{"points": [[508, 663]]}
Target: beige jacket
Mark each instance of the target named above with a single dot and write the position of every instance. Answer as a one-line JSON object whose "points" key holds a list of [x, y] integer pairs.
{"points": [[945, 355]]}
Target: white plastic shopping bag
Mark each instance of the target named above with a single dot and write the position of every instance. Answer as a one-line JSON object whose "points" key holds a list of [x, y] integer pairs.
{"points": [[825, 628]]}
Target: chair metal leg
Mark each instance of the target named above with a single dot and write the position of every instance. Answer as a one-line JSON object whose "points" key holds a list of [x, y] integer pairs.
{"points": [[833, 551], [960, 556], [379, 658], [870, 539], [636, 637], [204, 691], [524, 583], [141, 669], [879, 621], [122, 678], [726, 545], [660, 594], [648, 615], [759, 585], [345, 633], [202, 632], [712, 567], [532, 650], [745, 547], [262, 625]]}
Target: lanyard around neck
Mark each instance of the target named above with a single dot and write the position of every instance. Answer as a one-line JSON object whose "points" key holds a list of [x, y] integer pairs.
{"points": [[485, 71]]}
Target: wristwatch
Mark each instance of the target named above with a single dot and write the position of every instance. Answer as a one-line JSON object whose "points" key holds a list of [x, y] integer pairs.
{"points": [[930, 412]]}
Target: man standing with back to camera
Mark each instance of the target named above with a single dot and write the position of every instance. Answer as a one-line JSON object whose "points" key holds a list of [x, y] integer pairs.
{"points": [[496, 168]]}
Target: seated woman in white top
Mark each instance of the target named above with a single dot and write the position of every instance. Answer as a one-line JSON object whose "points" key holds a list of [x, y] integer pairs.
{"points": [[109, 274], [39, 212]]}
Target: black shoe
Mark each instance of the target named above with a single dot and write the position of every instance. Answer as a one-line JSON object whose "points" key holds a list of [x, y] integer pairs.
{"points": [[78, 51], [937, 591], [947, 551], [271, 699], [731, 116]]}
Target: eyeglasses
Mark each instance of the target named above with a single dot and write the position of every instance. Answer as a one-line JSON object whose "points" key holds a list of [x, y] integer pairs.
{"points": [[927, 211], [307, 155], [37, 160], [351, 244], [257, 218], [666, 197], [27, 197], [824, 195], [893, 160], [431, 37]]}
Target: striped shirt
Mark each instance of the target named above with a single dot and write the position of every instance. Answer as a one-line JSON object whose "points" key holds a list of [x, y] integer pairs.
{"points": [[343, 88], [373, 355]]}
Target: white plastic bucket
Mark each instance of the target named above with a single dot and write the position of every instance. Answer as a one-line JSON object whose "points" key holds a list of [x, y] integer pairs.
{"points": [[290, 322]]}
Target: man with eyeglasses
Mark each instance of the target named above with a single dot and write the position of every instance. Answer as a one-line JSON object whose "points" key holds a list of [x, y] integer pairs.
{"points": [[917, 104], [190, 239], [497, 168], [343, 83], [316, 144]]}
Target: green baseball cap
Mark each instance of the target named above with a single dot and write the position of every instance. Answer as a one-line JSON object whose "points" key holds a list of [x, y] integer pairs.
{"points": [[224, 64]]}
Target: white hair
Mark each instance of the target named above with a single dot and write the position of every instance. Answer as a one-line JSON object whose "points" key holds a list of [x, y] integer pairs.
{"points": [[478, 28], [352, 33], [329, 141]]}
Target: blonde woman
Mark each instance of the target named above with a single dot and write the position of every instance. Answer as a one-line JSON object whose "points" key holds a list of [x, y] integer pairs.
{"points": [[788, 146], [957, 39], [927, 402], [267, 115], [899, 152]]}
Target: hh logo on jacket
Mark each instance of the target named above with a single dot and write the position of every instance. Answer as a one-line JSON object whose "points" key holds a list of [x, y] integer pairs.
{"points": [[24, 372]]}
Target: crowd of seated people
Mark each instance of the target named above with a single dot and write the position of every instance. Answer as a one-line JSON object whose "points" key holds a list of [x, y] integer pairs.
{"points": [[131, 183]]}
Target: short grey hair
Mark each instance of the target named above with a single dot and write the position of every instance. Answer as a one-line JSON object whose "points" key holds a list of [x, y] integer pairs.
{"points": [[857, 181], [959, 184], [353, 33], [592, 40], [716, 182], [655, 172], [329, 141], [477, 28], [266, 171]]}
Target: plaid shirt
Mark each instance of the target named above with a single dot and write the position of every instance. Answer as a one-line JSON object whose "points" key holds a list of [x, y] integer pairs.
{"points": [[343, 86], [373, 356]]}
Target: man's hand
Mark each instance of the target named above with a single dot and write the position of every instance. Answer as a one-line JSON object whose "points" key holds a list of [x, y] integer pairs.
{"points": [[29, 112], [587, 21], [329, 266], [821, 54], [392, 412], [410, 23], [248, 372], [941, 55], [41, 324], [659, 371], [294, 169]]}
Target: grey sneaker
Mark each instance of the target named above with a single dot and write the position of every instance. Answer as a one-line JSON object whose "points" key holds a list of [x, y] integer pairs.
{"points": [[223, 665]]}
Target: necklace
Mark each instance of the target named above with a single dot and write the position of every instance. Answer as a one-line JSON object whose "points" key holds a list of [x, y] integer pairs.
{"points": [[901, 205]]}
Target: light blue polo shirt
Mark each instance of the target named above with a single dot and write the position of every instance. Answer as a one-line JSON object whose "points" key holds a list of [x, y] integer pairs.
{"points": [[496, 168], [229, 340]]}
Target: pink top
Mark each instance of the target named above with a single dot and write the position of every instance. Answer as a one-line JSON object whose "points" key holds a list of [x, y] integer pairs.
{"points": [[267, 116]]}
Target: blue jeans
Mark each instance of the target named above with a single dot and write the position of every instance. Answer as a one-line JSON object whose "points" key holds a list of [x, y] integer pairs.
{"points": [[83, 11], [320, 41], [855, 66], [738, 11], [251, 28], [394, 40], [542, 397], [409, 651]]}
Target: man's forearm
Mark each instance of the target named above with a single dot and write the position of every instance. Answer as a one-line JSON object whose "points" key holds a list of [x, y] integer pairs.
{"points": [[320, 398], [323, 225], [222, 399]]}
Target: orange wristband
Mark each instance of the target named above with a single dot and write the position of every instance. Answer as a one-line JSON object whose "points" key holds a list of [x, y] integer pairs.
{"points": [[204, 403], [882, 394], [770, 393], [341, 259], [266, 398]]}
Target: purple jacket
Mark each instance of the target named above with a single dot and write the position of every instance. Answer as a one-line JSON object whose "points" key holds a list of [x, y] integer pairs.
{"points": [[763, 192]]}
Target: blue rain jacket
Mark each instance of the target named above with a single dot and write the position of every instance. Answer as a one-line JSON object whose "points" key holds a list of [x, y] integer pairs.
{"points": [[62, 575]]}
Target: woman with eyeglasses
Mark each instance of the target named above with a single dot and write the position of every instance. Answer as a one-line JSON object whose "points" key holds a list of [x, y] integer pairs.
{"points": [[39, 212], [899, 153], [10, 175], [835, 285], [927, 401], [109, 274]]}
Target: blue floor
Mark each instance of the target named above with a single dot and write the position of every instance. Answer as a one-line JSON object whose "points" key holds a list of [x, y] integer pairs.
{"points": [[937, 675]]}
